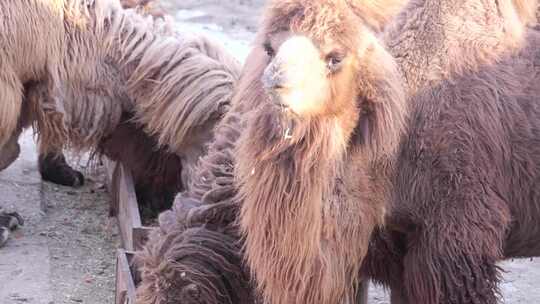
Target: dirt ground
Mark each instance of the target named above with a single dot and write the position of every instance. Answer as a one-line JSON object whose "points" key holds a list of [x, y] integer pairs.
{"points": [[66, 251]]}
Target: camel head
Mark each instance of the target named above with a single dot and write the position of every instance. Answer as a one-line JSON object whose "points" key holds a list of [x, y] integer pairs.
{"points": [[192, 266], [314, 50], [321, 65], [311, 76]]}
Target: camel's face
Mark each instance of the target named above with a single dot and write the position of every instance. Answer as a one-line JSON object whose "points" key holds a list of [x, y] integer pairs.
{"points": [[309, 78]]}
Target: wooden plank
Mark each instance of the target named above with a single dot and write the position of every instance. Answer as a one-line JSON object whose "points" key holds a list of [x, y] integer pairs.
{"points": [[110, 167], [128, 212], [125, 206], [125, 287]]}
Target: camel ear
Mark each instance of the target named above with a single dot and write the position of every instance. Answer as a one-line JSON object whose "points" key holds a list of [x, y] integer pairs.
{"points": [[382, 102], [377, 13]]}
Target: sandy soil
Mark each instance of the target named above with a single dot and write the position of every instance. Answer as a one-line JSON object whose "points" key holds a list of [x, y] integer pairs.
{"points": [[65, 252], [82, 240]]}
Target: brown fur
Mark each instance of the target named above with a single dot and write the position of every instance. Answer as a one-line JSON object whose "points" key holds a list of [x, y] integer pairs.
{"points": [[197, 265], [10, 152], [208, 203], [100, 62], [211, 197], [433, 218], [157, 172], [376, 13], [53, 166], [285, 182], [169, 266]]}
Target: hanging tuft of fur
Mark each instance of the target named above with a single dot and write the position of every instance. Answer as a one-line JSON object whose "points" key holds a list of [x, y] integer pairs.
{"points": [[198, 265], [99, 62], [183, 93], [209, 203]]}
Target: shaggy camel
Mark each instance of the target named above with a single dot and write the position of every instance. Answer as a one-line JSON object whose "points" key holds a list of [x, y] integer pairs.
{"points": [[104, 72], [196, 254], [170, 269], [52, 164], [101, 63], [106, 63], [411, 160]]}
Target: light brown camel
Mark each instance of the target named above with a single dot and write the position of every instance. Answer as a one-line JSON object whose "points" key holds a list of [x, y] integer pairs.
{"points": [[411, 159], [94, 66]]}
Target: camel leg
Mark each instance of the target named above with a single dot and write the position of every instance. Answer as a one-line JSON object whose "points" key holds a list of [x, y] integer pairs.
{"points": [[10, 109], [9, 152], [54, 168], [445, 268], [52, 163]]}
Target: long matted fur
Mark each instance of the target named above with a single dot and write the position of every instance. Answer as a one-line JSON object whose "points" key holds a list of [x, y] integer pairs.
{"points": [[430, 213], [92, 62], [213, 268], [291, 183]]}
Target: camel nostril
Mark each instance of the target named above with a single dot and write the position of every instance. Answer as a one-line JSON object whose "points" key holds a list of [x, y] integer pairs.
{"points": [[273, 78], [277, 85], [272, 82]]}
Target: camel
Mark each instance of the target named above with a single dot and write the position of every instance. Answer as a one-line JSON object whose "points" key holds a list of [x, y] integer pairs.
{"points": [[52, 164], [103, 73], [409, 158], [196, 254], [121, 47], [169, 268]]}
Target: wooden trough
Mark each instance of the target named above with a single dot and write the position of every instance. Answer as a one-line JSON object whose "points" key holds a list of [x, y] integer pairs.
{"points": [[125, 284], [133, 234]]}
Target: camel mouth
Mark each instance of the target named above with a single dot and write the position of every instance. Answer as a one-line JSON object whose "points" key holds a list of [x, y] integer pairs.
{"points": [[274, 98]]}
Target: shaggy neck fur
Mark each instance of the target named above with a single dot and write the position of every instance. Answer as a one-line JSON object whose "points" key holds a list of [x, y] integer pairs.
{"points": [[294, 168], [437, 47], [301, 181], [116, 61]]}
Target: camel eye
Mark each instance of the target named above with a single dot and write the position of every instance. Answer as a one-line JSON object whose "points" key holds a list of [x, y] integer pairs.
{"points": [[269, 49], [334, 61]]}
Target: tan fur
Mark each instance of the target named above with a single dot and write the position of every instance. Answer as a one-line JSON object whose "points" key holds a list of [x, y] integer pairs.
{"points": [[294, 170], [526, 10], [376, 13], [89, 63], [9, 152], [426, 57], [314, 188], [150, 7]]}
